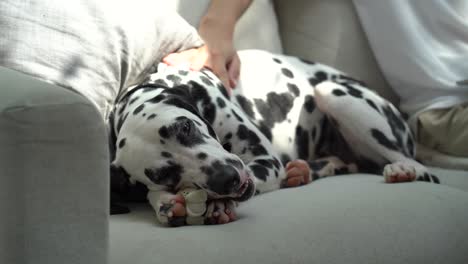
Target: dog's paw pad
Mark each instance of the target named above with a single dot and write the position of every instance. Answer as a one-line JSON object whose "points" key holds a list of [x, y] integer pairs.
{"points": [[297, 173], [172, 210], [399, 172], [220, 212]]}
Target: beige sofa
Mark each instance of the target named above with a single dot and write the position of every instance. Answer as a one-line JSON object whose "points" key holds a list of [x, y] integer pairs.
{"points": [[54, 177]]}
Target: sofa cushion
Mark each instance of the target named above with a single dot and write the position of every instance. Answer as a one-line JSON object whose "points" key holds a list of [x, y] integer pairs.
{"points": [[349, 219]]}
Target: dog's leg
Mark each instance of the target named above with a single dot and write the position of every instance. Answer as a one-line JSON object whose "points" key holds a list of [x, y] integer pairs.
{"points": [[373, 128], [300, 172], [169, 207]]}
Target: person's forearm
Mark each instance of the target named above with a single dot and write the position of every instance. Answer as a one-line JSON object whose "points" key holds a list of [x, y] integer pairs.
{"points": [[225, 13]]}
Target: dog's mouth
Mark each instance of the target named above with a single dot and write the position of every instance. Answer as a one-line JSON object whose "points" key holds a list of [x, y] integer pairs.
{"points": [[245, 191]]}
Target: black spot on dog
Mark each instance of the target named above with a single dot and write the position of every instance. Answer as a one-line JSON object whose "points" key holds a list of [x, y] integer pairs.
{"points": [[144, 114], [258, 150], [245, 134], [302, 143], [152, 116], [276, 107], [277, 60], [183, 73], [169, 175], [307, 61], [223, 90], [410, 145], [353, 91], [341, 171], [221, 102], [228, 136], [285, 158], [246, 105], [338, 92], [317, 165], [158, 98], [259, 171], [237, 116], [138, 109], [174, 78], [132, 101], [314, 134], [276, 163], [227, 146], [200, 94], [122, 143], [293, 89], [265, 130], [309, 103], [398, 127], [287, 73], [166, 154], [121, 121], [351, 80], [313, 82], [206, 81], [202, 155], [373, 105], [319, 77], [265, 162], [383, 140], [162, 141], [161, 82], [315, 176]]}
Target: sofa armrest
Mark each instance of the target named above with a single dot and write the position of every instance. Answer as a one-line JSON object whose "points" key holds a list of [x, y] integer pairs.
{"points": [[54, 166]]}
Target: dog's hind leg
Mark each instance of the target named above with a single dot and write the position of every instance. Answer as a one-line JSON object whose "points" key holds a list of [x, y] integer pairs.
{"points": [[373, 128]]}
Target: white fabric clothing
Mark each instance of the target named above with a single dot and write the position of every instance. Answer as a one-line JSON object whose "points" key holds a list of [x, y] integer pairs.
{"points": [[422, 49]]}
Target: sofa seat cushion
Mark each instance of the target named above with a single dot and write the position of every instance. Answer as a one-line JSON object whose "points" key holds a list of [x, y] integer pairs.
{"points": [[349, 219]]}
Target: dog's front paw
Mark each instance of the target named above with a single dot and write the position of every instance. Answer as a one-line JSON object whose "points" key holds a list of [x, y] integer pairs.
{"points": [[171, 210], [220, 212]]}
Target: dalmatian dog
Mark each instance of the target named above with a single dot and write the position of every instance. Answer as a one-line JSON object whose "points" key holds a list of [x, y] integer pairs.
{"points": [[288, 122]]}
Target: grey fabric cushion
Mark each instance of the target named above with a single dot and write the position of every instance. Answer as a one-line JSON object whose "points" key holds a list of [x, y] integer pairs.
{"points": [[348, 219], [53, 174]]}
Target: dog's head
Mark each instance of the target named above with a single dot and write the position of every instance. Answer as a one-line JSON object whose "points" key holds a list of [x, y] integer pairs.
{"points": [[170, 143]]}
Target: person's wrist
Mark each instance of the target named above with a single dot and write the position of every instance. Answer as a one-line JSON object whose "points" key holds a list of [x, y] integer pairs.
{"points": [[213, 25]]}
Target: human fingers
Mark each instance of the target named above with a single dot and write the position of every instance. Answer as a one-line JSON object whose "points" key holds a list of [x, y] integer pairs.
{"points": [[181, 58], [234, 70], [218, 65]]}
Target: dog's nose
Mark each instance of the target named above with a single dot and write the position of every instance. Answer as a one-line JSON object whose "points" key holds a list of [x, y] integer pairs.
{"points": [[225, 180]]}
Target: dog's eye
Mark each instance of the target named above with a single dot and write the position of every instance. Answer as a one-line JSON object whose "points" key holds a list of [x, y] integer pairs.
{"points": [[187, 127]]}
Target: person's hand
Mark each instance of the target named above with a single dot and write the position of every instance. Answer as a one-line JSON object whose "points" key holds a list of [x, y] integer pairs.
{"points": [[224, 62], [218, 54]]}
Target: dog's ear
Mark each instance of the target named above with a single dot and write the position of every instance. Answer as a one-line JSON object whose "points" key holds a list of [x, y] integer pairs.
{"points": [[120, 184], [119, 179]]}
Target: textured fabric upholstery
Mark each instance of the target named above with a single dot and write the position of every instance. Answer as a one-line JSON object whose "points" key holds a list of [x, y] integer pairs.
{"points": [[53, 175]]}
